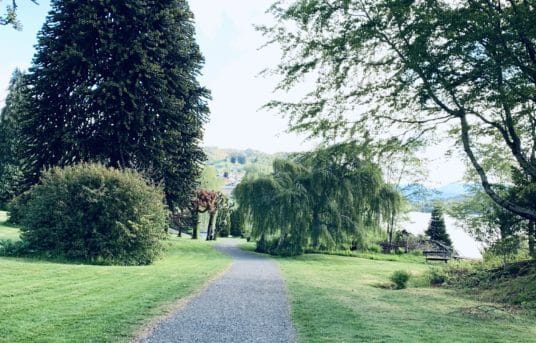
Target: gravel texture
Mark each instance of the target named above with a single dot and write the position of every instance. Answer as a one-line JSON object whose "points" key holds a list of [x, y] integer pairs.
{"points": [[248, 303]]}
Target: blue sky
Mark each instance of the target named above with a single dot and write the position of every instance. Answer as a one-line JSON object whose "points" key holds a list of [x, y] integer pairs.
{"points": [[230, 45]]}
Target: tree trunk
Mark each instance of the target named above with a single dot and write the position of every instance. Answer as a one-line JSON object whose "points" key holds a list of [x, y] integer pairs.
{"points": [[210, 228], [522, 211], [532, 237], [195, 228], [316, 230], [390, 231]]}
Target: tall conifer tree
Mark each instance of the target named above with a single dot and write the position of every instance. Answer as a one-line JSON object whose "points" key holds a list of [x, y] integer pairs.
{"points": [[437, 229], [10, 166], [116, 82]]}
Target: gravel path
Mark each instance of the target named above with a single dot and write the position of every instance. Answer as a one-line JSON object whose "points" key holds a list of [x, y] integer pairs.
{"points": [[248, 303]]}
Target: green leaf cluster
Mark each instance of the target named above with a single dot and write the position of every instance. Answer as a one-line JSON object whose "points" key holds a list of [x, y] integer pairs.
{"points": [[92, 213], [415, 70], [322, 199], [116, 83]]}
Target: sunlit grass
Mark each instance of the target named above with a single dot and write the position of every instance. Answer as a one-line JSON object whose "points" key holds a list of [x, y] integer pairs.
{"points": [[345, 299], [52, 302], [6, 231]]}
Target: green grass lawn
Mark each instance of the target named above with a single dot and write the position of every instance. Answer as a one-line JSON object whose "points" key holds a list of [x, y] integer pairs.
{"points": [[7, 232], [49, 302], [341, 299]]}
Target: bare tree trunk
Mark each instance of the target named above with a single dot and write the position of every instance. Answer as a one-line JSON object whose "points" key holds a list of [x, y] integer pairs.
{"points": [[195, 228], [210, 228], [390, 231], [532, 237]]}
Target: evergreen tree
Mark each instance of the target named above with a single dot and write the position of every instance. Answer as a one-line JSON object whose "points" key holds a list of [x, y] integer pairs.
{"points": [[436, 229], [236, 223], [115, 82], [10, 166]]}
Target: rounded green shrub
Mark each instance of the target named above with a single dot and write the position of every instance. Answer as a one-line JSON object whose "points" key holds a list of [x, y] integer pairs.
{"points": [[14, 208], [436, 277], [400, 278], [96, 214]]}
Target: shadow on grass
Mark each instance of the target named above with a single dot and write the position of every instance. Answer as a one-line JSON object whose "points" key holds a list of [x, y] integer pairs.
{"points": [[20, 252]]}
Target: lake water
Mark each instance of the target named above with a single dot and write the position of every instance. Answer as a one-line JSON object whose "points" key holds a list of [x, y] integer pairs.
{"points": [[464, 244]]}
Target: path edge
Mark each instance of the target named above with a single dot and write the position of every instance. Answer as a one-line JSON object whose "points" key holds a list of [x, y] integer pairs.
{"points": [[178, 305]]}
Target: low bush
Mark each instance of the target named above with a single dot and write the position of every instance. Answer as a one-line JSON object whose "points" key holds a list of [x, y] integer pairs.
{"points": [[279, 247], [417, 252], [375, 248], [93, 213], [11, 248], [400, 279], [14, 208], [436, 277]]}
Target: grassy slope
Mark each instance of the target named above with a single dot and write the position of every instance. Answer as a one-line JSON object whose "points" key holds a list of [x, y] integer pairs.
{"points": [[10, 233], [338, 299], [50, 302], [7, 232]]}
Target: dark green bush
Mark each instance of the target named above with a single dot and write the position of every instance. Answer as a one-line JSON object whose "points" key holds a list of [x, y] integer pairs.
{"points": [[14, 248], [14, 208], [236, 223], [279, 247], [96, 214], [400, 278], [436, 277]]}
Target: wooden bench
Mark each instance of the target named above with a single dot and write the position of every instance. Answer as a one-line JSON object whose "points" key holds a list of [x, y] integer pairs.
{"points": [[437, 255]]}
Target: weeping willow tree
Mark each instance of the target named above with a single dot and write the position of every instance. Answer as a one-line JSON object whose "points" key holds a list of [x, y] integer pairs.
{"points": [[320, 199], [390, 202]]}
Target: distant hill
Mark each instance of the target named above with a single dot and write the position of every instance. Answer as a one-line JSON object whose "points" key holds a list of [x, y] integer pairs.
{"points": [[423, 197], [233, 164], [453, 190]]}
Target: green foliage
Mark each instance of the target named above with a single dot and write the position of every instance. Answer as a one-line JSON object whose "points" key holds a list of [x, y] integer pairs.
{"points": [[210, 179], [511, 283], [501, 230], [11, 173], [414, 69], [286, 246], [92, 213], [324, 198], [436, 276], [16, 208], [13, 248], [400, 278], [506, 248], [437, 230], [116, 83], [10, 17], [223, 218], [484, 220], [236, 223]]}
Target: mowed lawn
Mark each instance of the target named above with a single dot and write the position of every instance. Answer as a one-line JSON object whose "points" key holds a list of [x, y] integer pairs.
{"points": [[7, 232], [53, 302], [341, 299]]}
